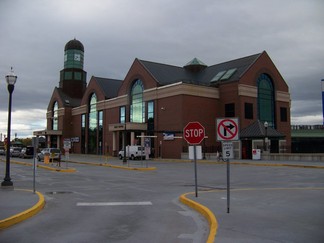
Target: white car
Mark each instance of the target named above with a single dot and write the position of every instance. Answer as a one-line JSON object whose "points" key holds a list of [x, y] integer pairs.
{"points": [[54, 153]]}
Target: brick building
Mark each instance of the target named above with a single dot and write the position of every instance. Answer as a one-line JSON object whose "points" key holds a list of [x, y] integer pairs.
{"points": [[157, 100]]}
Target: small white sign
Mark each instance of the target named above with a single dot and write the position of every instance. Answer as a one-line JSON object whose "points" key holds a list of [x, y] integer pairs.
{"points": [[198, 152], [227, 149]]}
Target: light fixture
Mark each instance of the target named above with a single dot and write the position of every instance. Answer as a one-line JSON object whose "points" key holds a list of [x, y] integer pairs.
{"points": [[11, 79]]}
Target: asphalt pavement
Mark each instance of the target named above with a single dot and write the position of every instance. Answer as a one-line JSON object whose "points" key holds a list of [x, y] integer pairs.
{"points": [[244, 216]]}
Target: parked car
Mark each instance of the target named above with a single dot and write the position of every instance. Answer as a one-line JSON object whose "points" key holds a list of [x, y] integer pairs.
{"points": [[15, 152], [54, 154], [27, 152], [2, 150], [133, 152]]}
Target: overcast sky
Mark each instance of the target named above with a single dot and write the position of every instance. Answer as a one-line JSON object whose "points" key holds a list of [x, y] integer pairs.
{"points": [[115, 32]]}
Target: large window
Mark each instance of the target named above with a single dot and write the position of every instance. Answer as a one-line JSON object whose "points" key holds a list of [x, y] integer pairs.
{"points": [[150, 116], [266, 100], [93, 122], [137, 111], [55, 116]]}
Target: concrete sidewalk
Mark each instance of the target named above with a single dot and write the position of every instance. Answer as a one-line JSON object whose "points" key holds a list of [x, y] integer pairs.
{"points": [[18, 205]]}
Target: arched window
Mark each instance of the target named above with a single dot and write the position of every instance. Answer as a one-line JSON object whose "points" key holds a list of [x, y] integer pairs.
{"points": [[266, 103], [55, 116], [93, 121], [137, 111]]}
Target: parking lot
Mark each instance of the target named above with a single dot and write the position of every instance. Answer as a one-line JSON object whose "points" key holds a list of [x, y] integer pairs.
{"points": [[104, 204]]}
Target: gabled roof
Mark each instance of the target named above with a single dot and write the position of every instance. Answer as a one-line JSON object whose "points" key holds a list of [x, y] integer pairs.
{"points": [[109, 87], [231, 71], [258, 130], [240, 66]]}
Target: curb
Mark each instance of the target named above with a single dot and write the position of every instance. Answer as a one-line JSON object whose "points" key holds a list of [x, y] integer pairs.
{"points": [[243, 163], [5, 223], [44, 167], [115, 166], [213, 225], [71, 170]]}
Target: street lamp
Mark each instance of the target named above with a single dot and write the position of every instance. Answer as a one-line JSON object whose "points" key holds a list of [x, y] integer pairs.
{"points": [[266, 135], [11, 79]]}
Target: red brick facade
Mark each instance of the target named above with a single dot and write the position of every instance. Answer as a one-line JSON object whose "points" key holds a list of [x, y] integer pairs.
{"points": [[175, 104]]}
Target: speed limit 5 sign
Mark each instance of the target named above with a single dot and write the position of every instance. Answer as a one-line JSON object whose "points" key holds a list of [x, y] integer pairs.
{"points": [[227, 149]]}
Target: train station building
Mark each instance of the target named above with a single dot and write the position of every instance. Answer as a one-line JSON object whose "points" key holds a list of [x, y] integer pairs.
{"points": [[155, 101]]}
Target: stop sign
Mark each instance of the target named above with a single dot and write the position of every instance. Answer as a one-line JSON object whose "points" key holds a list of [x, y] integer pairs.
{"points": [[194, 133]]}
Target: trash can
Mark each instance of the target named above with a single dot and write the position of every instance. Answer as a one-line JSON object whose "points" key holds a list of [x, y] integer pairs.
{"points": [[46, 158]]}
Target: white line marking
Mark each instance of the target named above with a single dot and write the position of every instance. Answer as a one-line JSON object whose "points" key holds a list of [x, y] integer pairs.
{"points": [[93, 204]]}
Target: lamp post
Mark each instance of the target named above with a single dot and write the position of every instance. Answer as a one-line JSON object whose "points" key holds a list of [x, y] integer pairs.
{"points": [[11, 79], [266, 135]]}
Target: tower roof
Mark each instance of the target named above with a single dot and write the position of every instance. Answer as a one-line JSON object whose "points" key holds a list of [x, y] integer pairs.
{"points": [[74, 44]]}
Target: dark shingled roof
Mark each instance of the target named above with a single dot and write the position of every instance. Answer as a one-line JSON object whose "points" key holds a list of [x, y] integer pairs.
{"points": [[110, 87], [257, 130], [67, 100], [168, 74]]}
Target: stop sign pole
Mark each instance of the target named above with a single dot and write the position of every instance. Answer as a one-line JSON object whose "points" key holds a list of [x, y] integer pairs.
{"points": [[194, 133]]}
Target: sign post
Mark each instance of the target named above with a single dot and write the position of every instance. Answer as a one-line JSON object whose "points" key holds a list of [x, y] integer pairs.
{"points": [[227, 131], [35, 142], [194, 133]]}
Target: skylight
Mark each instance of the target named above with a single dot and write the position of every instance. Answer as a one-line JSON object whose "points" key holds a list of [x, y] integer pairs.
{"points": [[228, 74], [217, 76]]}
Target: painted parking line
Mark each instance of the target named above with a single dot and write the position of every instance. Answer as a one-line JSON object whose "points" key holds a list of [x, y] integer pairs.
{"points": [[94, 204]]}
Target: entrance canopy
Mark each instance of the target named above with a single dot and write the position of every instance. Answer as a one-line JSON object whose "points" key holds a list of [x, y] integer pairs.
{"points": [[128, 126]]}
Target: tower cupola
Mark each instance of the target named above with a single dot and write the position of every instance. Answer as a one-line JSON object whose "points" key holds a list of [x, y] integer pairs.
{"points": [[73, 54], [73, 77]]}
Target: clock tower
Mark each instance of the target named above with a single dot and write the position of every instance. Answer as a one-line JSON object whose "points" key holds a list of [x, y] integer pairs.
{"points": [[73, 77]]}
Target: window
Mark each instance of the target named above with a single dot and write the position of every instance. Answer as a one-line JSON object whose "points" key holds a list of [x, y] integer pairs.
{"points": [[228, 74], [68, 75], [83, 132], [150, 115], [92, 121], [55, 116], [283, 114], [248, 110], [230, 110], [137, 111], [266, 100], [100, 131], [122, 114], [217, 76]]}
